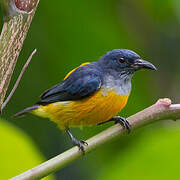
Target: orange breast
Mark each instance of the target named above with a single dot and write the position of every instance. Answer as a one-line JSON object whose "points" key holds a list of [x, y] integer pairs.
{"points": [[92, 110]]}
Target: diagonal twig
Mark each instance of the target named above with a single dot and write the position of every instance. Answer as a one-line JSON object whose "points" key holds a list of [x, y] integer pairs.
{"points": [[162, 109], [18, 80]]}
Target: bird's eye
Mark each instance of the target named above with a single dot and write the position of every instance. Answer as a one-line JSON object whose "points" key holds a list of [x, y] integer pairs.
{"points": [[121, 60]]}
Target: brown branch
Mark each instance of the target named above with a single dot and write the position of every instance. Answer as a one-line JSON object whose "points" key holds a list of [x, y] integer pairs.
{"points": [[17, 81], [18, 15], [162, 109]]}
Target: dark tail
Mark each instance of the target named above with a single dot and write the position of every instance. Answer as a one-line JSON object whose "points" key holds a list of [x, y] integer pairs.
{"points": [[26, 110]]}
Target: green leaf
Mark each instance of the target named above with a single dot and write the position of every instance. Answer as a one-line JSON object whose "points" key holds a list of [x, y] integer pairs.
{"points": [[17, 153]]}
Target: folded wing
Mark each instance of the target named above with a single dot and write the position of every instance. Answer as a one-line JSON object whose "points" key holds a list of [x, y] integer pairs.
{"points": [[79, 84]]}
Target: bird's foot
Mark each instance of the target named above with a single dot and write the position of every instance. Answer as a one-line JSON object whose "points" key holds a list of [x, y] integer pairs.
{"points": [[120, 120], [123, 122], [79, 143]]}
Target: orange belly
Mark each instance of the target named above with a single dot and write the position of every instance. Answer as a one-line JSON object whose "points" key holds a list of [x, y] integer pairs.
{"points": [[98, 108]]}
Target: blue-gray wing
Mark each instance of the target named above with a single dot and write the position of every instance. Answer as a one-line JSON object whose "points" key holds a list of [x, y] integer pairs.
{"points": [[80, 84]]}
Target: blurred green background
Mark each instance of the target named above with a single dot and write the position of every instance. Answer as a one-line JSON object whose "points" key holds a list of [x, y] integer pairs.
{"points": [[68, 33]]}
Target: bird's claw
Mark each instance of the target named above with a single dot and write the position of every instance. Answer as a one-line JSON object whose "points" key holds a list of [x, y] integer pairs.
{"points": [[80, 144], [123, 122], [76, 142], [84, 142]]}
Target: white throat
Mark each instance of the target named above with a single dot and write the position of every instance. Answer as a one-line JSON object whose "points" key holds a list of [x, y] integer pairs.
{"points": [[122, 86]]}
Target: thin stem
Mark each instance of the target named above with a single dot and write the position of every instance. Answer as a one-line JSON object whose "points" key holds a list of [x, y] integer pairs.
{"points": [[162, 109], [18, 80]]}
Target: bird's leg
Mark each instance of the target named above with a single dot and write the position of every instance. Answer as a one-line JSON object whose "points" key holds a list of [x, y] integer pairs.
{"points": [[79, 143], [120, 120]]}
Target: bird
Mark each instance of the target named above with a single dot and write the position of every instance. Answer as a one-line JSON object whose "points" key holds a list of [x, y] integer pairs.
{"points": [[91, 94]]}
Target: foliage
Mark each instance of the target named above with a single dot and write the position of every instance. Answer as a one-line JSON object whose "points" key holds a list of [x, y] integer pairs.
{"points": [[18, 152]]}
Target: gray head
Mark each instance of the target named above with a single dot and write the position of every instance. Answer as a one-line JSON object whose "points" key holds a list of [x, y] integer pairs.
{"points": [[123, 61]]}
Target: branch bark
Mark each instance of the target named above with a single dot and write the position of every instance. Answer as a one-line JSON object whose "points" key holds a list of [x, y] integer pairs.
{"points": [[18, 15], [162, 109]]}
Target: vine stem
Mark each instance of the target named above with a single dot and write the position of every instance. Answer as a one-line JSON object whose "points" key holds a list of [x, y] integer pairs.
{"points": [[18, 81], [162, 109]]}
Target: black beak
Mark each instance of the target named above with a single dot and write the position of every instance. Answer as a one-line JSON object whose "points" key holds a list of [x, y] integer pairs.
{"points": [[140, 64]]}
